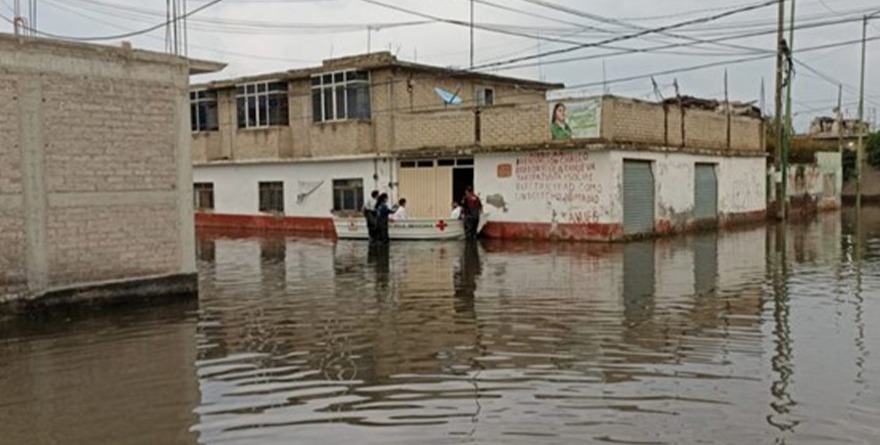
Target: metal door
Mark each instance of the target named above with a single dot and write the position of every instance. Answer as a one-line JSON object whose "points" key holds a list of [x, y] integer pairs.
{"points": [[638, 198], [705, 192], [426, 187]]}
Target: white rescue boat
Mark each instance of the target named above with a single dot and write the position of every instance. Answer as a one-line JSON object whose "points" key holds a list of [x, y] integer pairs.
{"points": [[409, 229]]}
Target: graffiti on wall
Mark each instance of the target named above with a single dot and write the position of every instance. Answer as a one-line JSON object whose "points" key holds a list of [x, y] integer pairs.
{"points": [[564, 180]]}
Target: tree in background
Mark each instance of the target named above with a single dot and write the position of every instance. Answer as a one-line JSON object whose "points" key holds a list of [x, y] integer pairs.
{"points": [[872, 149]]}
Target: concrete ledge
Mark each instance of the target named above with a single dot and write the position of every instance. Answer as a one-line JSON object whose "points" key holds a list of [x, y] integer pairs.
{"points": [[108, 293]]}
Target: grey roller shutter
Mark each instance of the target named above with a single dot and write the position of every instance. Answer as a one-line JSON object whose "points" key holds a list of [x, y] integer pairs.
{"points": [[638, 198], [705, 192]]}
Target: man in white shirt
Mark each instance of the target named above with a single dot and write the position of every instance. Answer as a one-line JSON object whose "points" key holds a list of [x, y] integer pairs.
{"points": [[370, 213], [456, 211], [400, 213]]}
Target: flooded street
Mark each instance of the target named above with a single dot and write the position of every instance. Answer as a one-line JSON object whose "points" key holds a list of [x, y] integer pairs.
{"points": [[754, 336]]}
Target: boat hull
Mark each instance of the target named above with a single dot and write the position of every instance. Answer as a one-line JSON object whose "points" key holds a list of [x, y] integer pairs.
{"points": [[411, 229]]}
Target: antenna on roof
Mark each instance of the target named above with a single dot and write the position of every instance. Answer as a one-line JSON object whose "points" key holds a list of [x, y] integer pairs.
{"points": [[25, 26], [175, 30], [657, 91], [605, 79]]}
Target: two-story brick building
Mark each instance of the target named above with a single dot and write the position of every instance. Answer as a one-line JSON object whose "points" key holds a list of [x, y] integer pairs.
{"points": [[294, 149]]}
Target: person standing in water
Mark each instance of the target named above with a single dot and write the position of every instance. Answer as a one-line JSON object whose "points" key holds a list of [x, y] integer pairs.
{"points": [[370, 213], [471, 208], [382, 213]]}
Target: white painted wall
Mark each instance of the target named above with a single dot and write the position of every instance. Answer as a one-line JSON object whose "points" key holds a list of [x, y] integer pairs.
{"points": [[236, 189], [533, 199], [538, 189], [741, 182]]}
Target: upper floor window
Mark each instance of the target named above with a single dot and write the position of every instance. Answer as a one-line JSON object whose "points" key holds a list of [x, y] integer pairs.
{"points": [[203, 110], [262, 104], [485, 97], [341, 95]]}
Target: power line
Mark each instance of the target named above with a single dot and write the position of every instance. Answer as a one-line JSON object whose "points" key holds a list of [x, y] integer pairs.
{"points": [[204, 48], [579, 45], [713, 64], [242, 26], [681, 44], [629, 36], [618, 48], [126, 35], [617, 22]]}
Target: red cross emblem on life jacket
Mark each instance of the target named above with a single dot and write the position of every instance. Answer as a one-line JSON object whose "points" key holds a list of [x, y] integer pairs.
{"points": [[441, 225]]}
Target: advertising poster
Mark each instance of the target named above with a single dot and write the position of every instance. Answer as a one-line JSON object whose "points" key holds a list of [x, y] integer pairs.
{"points": [[575, 119]]}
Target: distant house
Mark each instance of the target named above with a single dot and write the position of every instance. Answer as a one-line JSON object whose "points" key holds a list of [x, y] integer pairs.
{"points": [[830, 128], [292, 150], [95, 172]]}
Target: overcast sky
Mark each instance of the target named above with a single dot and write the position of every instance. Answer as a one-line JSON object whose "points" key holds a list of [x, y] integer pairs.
{"points": [[255, 36]]}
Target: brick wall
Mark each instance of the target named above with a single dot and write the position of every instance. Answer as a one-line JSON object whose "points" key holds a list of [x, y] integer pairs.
{"points": [[96, 243], [434, 129], [519, 124], [12, 236], [94, 165], [631, 121], [107, 135]]}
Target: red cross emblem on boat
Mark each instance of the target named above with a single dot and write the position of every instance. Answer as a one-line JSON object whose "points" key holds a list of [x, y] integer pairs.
{"points": [[441, 225]]}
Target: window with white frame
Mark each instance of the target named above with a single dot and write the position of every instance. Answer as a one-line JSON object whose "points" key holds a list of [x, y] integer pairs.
{"points": [[203, 110], [262, 104], [485, 97], [348, 195], [341, 95]]}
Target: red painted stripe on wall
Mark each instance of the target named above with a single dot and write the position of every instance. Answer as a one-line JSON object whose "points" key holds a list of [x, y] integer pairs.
{"points": [[547, 231], [292, 224]]}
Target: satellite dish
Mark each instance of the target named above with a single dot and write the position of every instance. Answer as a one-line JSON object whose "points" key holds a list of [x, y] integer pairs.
{"points": [[448, 97]]}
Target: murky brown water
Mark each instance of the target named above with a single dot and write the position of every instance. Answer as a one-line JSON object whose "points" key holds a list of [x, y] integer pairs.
{"points": [[704, 339]]}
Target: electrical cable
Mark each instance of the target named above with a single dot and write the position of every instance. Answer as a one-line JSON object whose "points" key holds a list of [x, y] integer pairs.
{"points": [[586, 45], [125, 35]]}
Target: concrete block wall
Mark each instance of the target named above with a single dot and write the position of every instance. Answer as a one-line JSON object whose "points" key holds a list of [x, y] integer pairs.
{"points": [[518, 124], [434, 129], [13, 275], [632, 121], [95, 161], [705, 129]]}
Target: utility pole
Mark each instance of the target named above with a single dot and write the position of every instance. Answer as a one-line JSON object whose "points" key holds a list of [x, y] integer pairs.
{"points": [[472, 35], [789, 129], [777, 116], [840, 119], [860, 154]]}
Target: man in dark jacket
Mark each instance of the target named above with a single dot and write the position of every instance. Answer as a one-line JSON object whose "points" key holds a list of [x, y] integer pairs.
{"points": [[471, 208]]}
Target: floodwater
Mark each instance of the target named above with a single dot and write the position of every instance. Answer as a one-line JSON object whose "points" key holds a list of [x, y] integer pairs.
{"points": [[764, 335]]}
